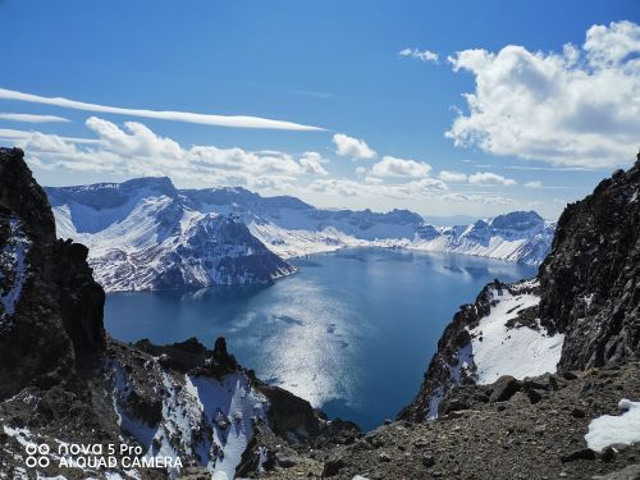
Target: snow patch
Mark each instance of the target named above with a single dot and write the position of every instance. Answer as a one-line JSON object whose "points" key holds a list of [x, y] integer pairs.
{"points": [[434, 403], [13, 267], [609, 430], [204, 419], [22, 435], [520, 351]]}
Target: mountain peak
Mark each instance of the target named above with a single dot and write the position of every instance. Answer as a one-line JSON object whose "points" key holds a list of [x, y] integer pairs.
{"points": [[160, 183], [518, 220], [20, 193]]}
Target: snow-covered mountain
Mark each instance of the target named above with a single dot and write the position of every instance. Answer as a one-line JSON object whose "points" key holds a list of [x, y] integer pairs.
{"points": [[141, 236], [291, 227], [145, 234], [522, 237]]}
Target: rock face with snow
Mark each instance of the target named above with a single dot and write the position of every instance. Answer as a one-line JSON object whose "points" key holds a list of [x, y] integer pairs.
{"points": [[292, 228], [581, 311], [63, 381], [512, 429], [590, 283], [145, 234], [499, 335]]}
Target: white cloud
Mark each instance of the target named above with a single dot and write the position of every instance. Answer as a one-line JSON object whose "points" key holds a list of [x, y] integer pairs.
{"points": [[612, 45], [423, 55], [533, 184], [488, 178], [361, 171], [238, 121], [311, 162], [136, 150], [453, 177], [347, 146], [371, 187], [399, 167], [373, 180], [31, 118], [580, 107], [479, 198]]}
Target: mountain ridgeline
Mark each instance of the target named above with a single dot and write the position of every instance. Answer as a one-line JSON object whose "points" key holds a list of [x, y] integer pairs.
{"points": [[144, 234]]}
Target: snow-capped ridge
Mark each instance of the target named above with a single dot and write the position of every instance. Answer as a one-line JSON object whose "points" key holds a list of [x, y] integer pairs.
{"points": [[141, 233]]}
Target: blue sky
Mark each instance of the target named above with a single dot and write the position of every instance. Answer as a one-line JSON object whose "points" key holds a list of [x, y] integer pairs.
{"points": [[334, 65]]}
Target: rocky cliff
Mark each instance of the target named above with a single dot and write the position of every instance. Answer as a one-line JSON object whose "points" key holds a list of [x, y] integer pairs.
{"points": [[581, 311], [50, 306], [590, 283]]}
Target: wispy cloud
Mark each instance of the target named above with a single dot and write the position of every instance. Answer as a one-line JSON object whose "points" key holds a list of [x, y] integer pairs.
{"points": [[236, 121], [31, 118], [454, 177], [374, 188], [11, 135], [423, 55]]}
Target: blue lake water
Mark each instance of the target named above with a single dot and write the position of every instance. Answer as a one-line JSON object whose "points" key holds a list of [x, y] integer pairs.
{"points": [[351, 331]]}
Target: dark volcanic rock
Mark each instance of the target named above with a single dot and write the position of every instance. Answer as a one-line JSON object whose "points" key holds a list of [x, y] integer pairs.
{"points": [[52, 329], [590, 282], [504, 388]]}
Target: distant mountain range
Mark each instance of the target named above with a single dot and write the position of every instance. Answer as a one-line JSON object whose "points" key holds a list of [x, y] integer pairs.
{"points": [[145, 234]]}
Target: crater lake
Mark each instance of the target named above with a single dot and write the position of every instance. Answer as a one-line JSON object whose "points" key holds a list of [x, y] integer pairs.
{"points": [[351, 331]]}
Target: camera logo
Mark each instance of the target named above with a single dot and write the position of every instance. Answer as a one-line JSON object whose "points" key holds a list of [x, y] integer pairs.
{"points": [[38, 455]]}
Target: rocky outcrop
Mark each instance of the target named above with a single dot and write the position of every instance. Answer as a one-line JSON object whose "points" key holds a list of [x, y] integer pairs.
{"points": [[586, 295], [590, 283], [494, 432], [51, 322]]}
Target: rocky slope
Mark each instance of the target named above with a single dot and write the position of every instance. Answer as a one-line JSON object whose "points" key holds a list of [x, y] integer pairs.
{"points": [[186, 409], [580, 312], [145, 234], [513, 430]]}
